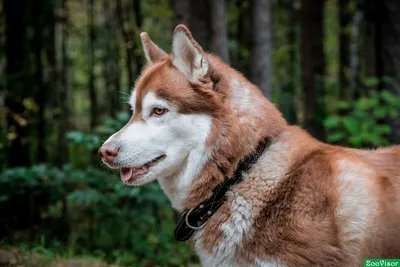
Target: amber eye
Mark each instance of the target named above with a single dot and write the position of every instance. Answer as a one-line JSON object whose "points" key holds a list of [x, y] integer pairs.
{"points": [[159, 111]]}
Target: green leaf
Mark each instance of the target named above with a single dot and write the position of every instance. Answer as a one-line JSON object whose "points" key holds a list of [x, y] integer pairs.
{"points": [[380, 112], [332, 122], [356, 141], [344, 105], [363, 103], [371, 81], [351, 124], [383, 129], [336, 137], [393, 112], [388, 97], [75, 136]]}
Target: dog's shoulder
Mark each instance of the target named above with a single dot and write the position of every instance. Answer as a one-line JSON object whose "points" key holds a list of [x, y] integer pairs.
{"points": [[282, 214], [304, 203]]}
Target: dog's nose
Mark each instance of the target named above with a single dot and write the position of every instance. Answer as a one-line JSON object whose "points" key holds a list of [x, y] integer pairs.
{"points": [[108, 152]]}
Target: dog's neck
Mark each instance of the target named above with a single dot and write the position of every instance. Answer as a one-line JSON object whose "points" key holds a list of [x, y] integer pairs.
{"points": [[248, 119]]}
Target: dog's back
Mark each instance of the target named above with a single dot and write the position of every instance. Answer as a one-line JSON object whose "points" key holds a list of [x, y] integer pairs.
{"points": [[385, 160], [313, 205], [385, 241]]}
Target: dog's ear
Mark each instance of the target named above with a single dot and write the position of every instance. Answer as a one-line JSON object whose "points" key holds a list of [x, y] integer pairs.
{"points": [[151, 51], [187, 55]]}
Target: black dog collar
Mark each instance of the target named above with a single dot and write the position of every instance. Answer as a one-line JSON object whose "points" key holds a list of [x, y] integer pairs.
{"points": [[196, 218]]}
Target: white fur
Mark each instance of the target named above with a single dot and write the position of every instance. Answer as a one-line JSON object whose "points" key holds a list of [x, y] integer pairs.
{"points": [[177, 186], [240, 97], [181, 137], [240, 222], [234, 230], [244, 103], [132, 100], [263, 177], [269, 263], [357, 207]]}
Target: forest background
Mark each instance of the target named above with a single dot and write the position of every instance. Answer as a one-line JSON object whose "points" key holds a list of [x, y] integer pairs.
{"points": [[67, 68]]}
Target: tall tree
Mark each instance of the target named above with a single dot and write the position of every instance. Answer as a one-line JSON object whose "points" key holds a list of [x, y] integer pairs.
{"points": [[261, 46], [51, 80], [312, 65], [43, 44], [18, 80], [355, 50], [219, 27], [243, 37], [288, 94], [181, 9], [196, 15], [345, 17], [199, 22], [127, 36], [111, 67], [371, 42], [91, 64], [63, 87], [138, 25], [388, 30], [39, 87]]}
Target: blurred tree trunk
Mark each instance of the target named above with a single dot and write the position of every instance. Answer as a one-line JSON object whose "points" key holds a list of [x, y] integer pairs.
{"points": [[64, 114], [128, 44], [63, 88], [313, 65], [388, 32], [355, 51], [39, 23], [261, 46], [287, 105], [91, 64], [181, 9], [138, 25], [43, 44], [196, 16], [111, 67], [199, 22], [18, 81], [344, 48], [239, 34], [219, 37], [52, 78], [243, 37], [370, 38]]}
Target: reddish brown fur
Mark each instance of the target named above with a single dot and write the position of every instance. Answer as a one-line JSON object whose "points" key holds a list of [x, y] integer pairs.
{"points": [[296, 222]]}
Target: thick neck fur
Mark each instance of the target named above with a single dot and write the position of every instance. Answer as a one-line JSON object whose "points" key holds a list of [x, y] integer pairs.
{"points": [[246, 119]]}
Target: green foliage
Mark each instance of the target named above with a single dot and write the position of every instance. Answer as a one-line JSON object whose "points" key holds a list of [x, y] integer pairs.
{"points": [[107, 219], [363, 122]]}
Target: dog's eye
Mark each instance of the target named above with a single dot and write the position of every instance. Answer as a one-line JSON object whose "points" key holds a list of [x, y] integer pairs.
{"points": [[159, 111]]}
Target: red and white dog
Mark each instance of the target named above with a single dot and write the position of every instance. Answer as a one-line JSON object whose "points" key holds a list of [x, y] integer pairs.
{"points": [[300, 203]]}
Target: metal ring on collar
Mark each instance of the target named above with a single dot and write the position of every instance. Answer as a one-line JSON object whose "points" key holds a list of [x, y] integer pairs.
{"points": [[191, 226]]}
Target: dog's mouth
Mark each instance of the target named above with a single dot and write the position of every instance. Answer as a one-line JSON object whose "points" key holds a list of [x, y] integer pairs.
{"points": [[130, 174]]}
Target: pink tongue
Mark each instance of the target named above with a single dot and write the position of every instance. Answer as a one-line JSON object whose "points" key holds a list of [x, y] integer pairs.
{"points": [[132, 173]]}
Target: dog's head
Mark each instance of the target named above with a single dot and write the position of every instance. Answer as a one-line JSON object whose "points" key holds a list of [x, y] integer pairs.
{"points": [[173, 105]]}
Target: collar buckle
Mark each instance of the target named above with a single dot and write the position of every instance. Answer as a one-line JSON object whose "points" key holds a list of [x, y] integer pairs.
{"points": [[191, 226]]}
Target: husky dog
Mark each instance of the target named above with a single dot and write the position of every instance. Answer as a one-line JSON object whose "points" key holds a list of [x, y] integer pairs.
{"points": [[254, 190]]}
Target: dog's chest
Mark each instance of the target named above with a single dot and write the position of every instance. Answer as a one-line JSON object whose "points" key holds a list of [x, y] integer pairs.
{"points": [[223, 246], [223, 240]]}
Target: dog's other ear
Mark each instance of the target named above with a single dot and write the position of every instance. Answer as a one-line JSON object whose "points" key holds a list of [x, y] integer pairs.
{"points": [[152, 52], [187, 55]]}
